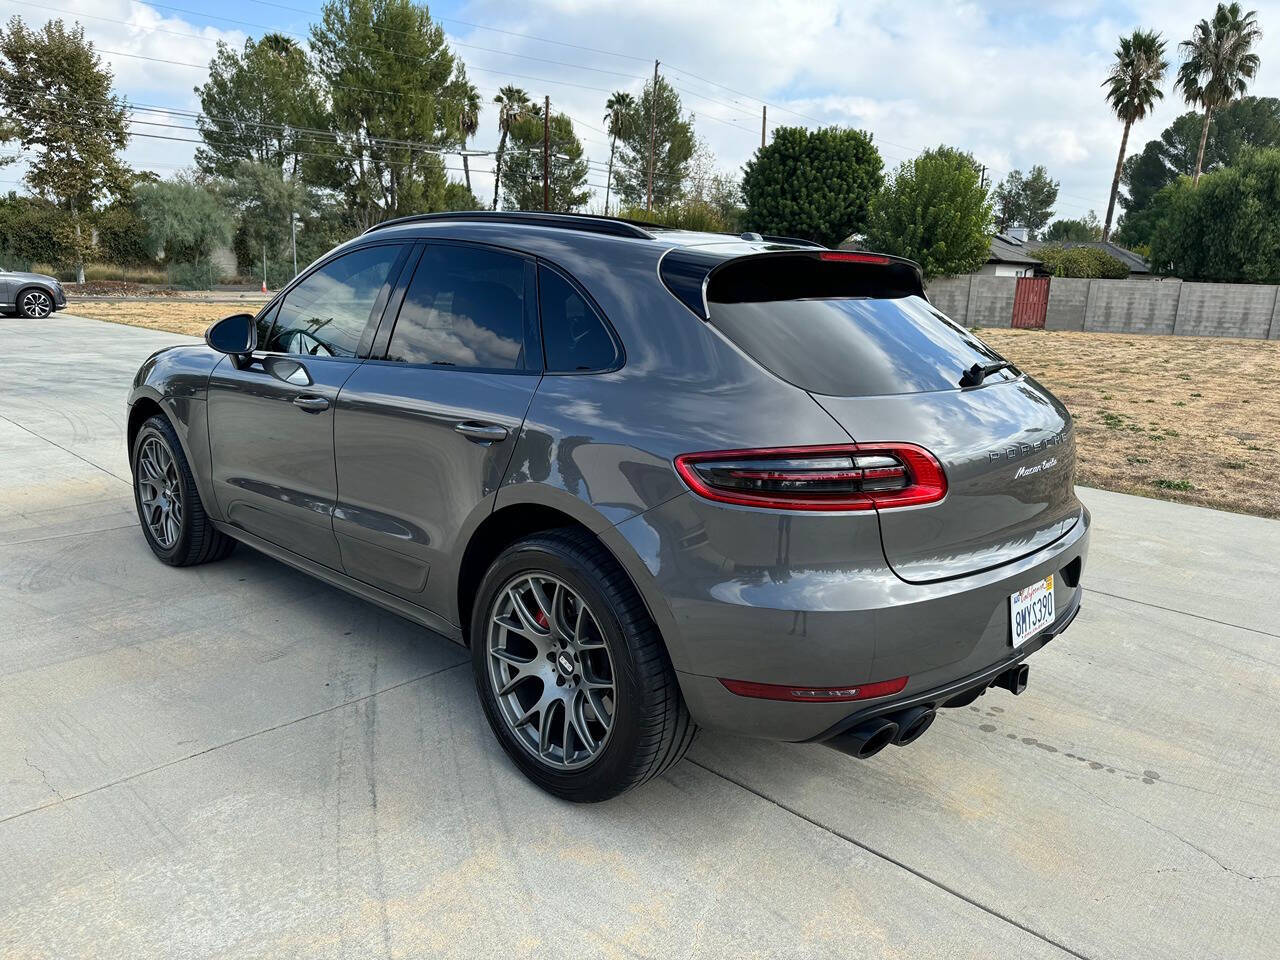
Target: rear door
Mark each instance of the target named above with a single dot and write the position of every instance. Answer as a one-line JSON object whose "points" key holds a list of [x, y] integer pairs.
{"points": [[271, 417], [424, 431], [889, 370]]}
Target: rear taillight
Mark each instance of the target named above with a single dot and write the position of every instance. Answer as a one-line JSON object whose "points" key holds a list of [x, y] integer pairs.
{"points": [[860, 476], [779, 691]]}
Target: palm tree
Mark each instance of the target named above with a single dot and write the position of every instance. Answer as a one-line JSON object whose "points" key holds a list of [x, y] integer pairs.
{"points": [[1218, 64], [468, 122], [1133, 87], [512, 102], [617, 120]]}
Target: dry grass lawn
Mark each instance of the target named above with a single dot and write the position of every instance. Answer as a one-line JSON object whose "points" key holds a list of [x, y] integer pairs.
{"points": [[1193, 419]]}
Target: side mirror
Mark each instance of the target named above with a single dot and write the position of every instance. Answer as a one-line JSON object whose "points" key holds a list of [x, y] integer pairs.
{"points": [[236, 334]]}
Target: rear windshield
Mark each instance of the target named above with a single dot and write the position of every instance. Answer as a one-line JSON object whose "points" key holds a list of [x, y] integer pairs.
{"points": [[856, 347]]}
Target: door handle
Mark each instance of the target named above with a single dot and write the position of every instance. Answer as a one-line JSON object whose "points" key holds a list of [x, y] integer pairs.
{"points": [[311, 404], [481, 432]]}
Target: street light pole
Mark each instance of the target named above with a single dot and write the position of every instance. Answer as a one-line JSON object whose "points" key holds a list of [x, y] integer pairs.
{"points": [[293, 239]]}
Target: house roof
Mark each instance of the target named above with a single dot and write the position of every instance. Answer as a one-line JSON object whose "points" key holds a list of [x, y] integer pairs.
{"points": [[1005, 249], [1133, 261]]}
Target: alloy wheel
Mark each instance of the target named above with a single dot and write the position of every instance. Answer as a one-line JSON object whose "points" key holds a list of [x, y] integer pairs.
{"points": [[551, 671], [160, 492], [36, 304]]}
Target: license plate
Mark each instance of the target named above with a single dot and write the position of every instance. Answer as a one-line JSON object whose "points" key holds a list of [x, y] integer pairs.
{"points": [[1031, 609]]}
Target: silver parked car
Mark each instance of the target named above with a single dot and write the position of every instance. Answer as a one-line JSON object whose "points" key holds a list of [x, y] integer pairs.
{"points": [[654, 479], [31, 295]]}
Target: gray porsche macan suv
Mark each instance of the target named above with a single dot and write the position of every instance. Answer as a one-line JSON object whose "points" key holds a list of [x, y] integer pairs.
{"points": [[654, 479]]}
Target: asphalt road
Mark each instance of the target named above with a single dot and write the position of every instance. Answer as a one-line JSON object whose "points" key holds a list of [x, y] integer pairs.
{"points": [[237, 761]]}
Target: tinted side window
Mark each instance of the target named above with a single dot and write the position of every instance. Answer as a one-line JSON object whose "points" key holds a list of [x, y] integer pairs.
{"points": [[264, 321], [325, 315], [465, 307], [573, 335]]}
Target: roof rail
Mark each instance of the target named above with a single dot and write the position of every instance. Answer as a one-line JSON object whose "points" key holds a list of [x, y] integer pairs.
{"points": [[568, 221], [794, 241]]}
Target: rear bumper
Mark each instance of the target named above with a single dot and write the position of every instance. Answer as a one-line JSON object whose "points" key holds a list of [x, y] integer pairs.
{"points": [[958, 692], [802, 608]]}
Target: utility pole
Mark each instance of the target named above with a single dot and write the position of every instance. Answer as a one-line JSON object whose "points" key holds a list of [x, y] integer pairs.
{"points": [[764, 122], [293, 240], [653, 133], [264, 268], [982, 177], [546, 154]]}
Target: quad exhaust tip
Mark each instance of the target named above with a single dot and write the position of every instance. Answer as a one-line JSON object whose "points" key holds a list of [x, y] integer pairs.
{"points": [[867, 738], [1014, 679]]}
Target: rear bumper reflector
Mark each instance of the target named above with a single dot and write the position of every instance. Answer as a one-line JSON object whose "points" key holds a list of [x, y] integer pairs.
{"points": [[778, 691]]}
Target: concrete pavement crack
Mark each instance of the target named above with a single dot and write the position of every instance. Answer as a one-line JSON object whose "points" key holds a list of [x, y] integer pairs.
{"points": [[919, 874], [55, 443], [1185, 613], [218, 746]]}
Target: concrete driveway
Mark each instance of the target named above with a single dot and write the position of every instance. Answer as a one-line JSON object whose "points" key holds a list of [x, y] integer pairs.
{"points": [[237, 761]]}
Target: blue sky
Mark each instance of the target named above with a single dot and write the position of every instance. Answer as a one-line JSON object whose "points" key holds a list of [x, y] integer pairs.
{"points": [[1015, 83]]}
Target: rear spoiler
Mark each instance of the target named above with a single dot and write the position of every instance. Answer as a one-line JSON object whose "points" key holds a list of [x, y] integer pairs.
{"points": [[699, 278]]}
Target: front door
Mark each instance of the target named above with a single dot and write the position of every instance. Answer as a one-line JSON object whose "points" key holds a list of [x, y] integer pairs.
{"points": [[425, 432], [271, 417]]}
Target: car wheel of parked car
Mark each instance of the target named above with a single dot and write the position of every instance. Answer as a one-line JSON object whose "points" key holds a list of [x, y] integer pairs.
{"points": [[169, 508], [572, 672], [35, 304]]}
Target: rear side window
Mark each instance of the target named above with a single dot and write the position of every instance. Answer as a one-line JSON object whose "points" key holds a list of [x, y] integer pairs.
{"points": [[856, 347], [465, 307], [326, 314], [573, 335]]}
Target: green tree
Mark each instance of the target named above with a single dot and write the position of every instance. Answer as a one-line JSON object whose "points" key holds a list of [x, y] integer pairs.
{"points": [[387, 73], [619, 111], [512, 103], [186, 221], [1224, 229], [1133, 87], [259, 106], [673, 146], [934, 210], [269, 206], [1085, 228], [812, 185], [1025, 201], [522, 175], [466, 101], [57, 103], [1218, 63]]}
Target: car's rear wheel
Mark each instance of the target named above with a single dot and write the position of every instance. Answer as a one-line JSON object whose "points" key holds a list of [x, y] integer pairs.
{"points": [[572, 672], [34, 303], [169, 506]]}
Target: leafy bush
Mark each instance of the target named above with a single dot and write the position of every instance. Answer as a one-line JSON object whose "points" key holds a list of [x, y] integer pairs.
{"points": [[122, 236], [1225, 229], [1081, 262], [812, 185], [35, 231]]}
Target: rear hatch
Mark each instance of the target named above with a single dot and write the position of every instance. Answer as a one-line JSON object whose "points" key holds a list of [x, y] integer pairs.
{"points": [[889, 368]]}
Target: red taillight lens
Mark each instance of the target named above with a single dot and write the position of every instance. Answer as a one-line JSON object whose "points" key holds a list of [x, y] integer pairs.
{"points": [[777, 691], [847, 256], [861, 476]]}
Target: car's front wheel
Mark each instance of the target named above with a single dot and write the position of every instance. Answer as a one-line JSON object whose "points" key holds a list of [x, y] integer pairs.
{"points": [[571, 670], [169, 507], [35, 304]]}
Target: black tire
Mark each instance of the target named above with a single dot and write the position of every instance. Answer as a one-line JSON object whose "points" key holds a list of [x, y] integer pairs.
{"points": [[197, 541], [29, 310], [652, 729]]}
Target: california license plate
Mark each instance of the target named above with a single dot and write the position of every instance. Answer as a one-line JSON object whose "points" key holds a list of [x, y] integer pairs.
{"points": [[1031, 609]]}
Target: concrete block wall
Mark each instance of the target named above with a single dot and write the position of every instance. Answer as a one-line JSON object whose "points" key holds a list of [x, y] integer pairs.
{"points": [[1120, 306], [1225, 310], [991, 301], [1131, 306], [1068, 298], [951, 296]]}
